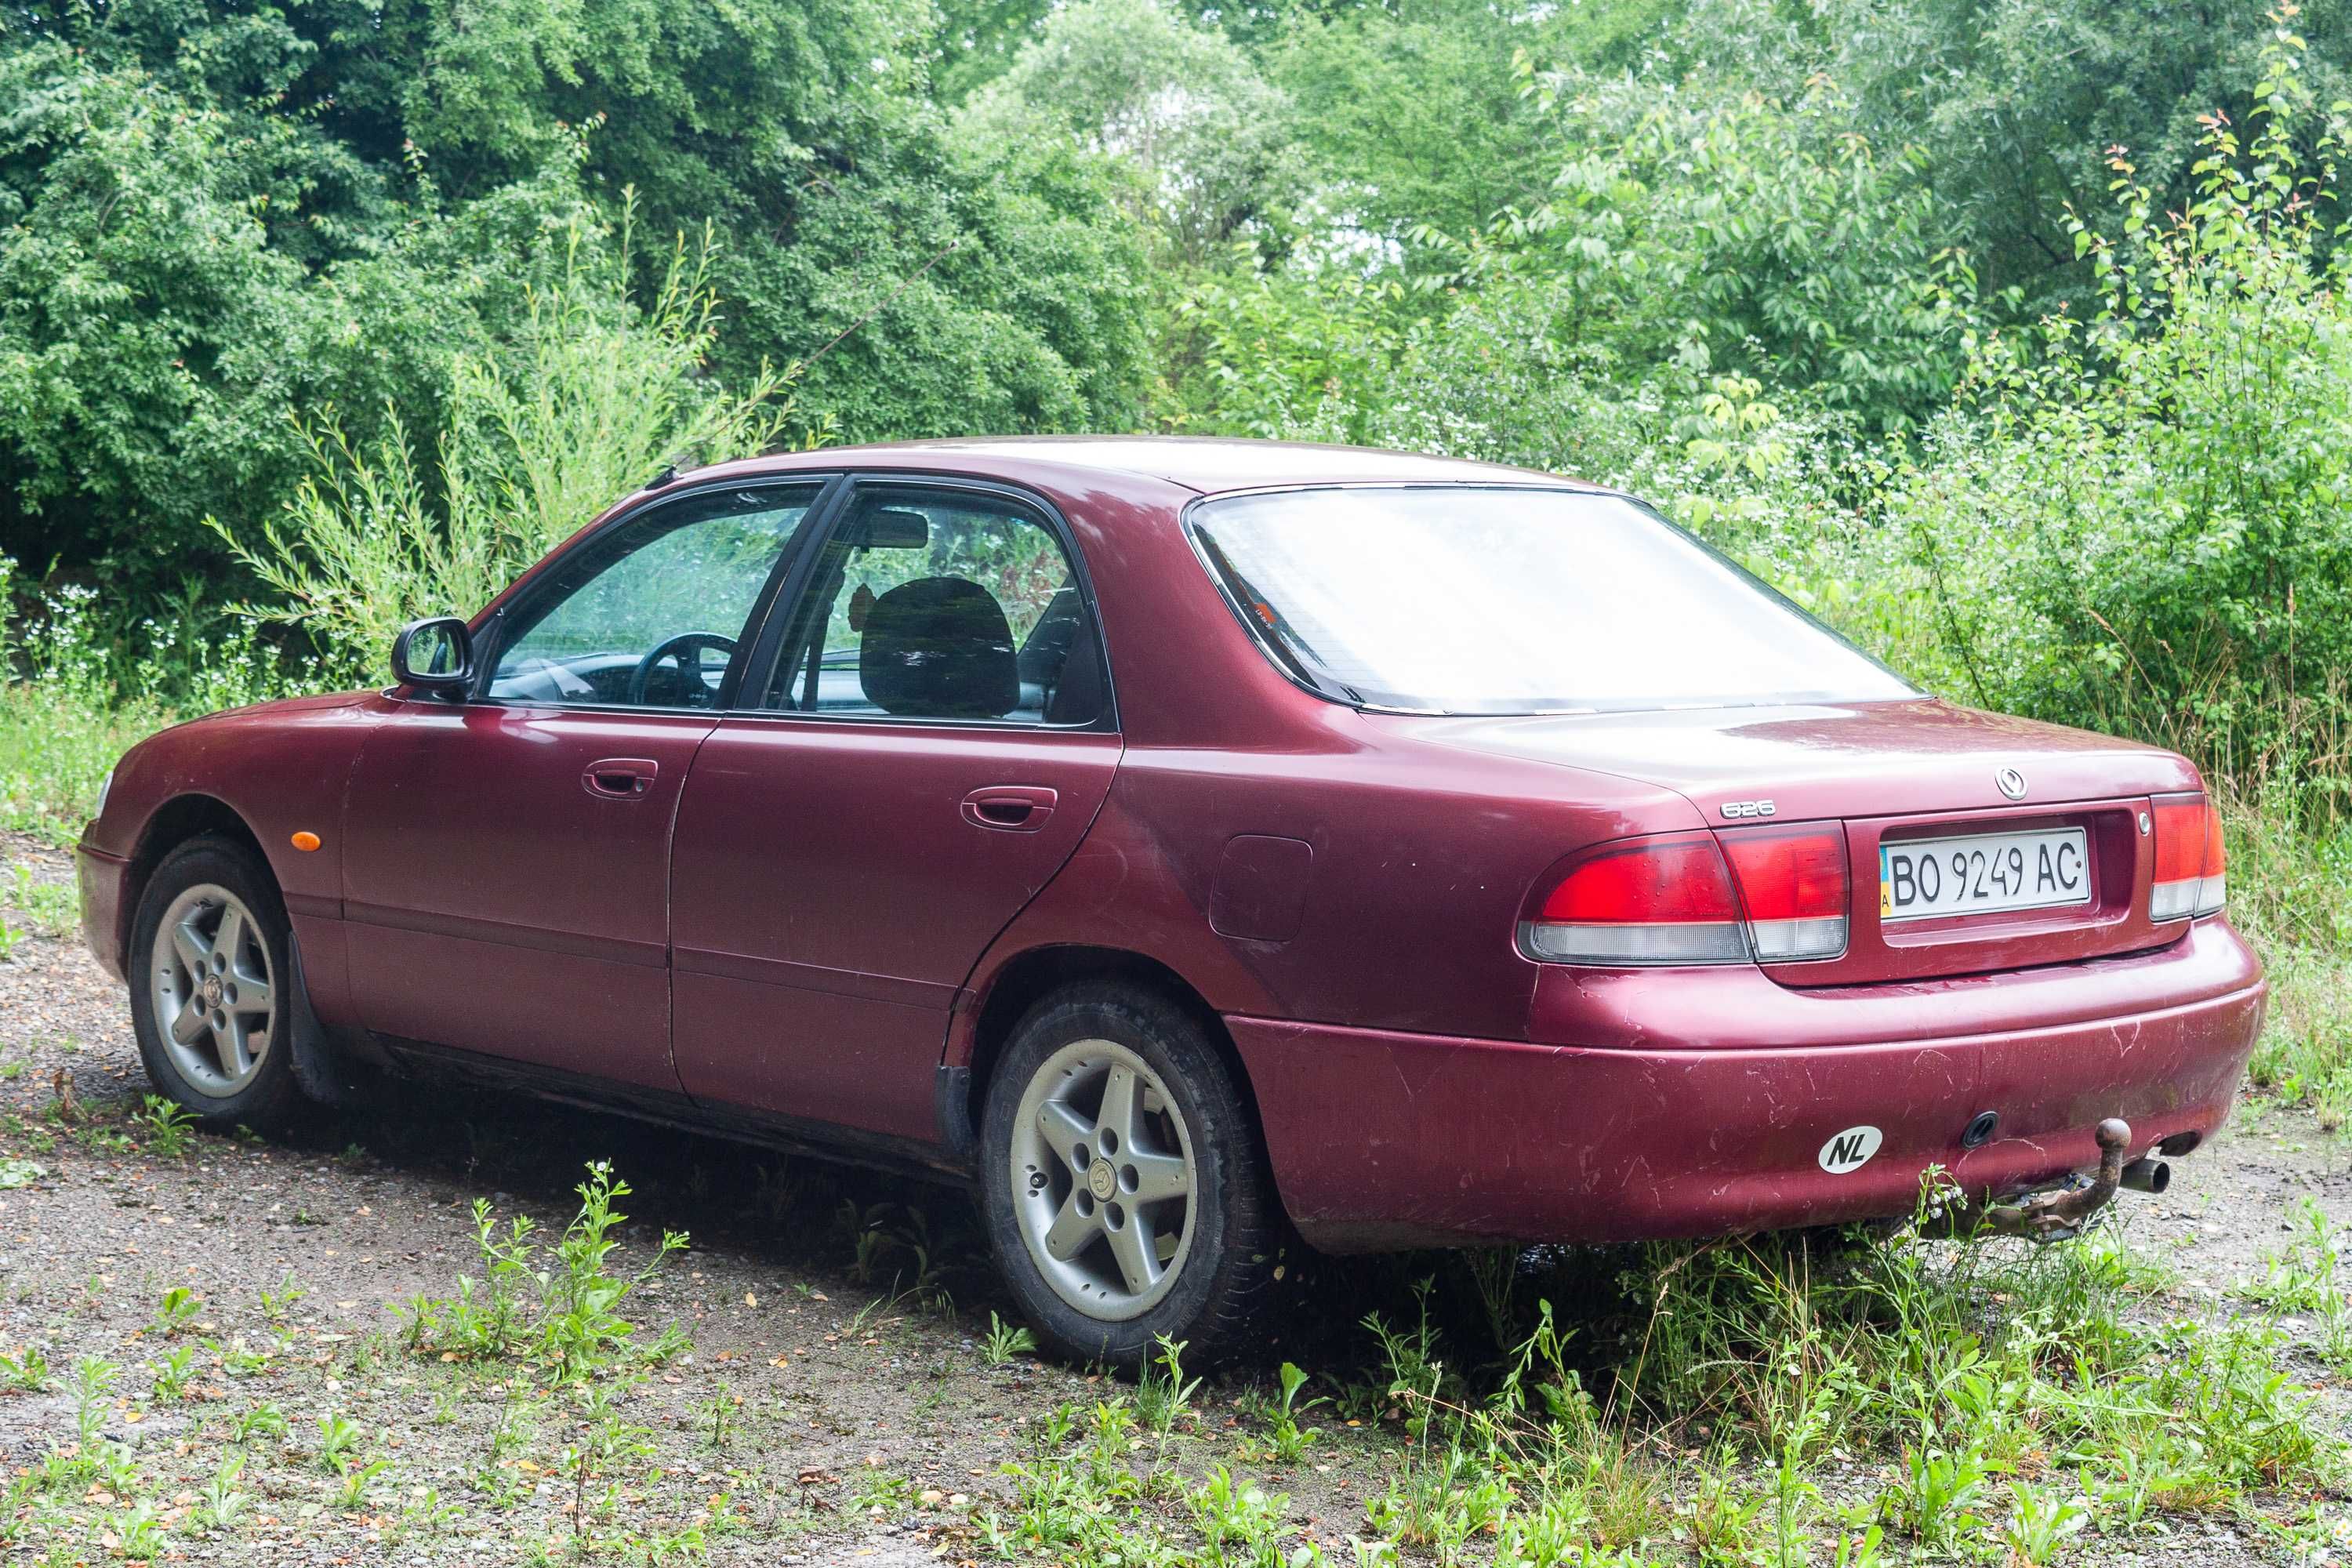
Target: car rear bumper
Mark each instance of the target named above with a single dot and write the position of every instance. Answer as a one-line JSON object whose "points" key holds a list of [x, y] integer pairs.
{"points": [[1383, 1139], [105, 882]]}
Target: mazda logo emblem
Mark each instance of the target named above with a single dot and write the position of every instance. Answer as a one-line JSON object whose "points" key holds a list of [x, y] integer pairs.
{"points": [[2011, 783]]}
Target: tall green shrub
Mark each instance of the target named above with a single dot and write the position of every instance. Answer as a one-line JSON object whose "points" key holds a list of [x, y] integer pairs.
{"points": [[594, 395], [2142, 524]]}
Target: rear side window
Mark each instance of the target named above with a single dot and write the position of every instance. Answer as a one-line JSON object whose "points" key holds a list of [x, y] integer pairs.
{"points": [[946, 606], [1460, 599]]}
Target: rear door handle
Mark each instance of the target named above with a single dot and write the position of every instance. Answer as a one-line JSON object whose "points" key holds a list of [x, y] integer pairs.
{"points": [[1010, 809], [620, 778]]}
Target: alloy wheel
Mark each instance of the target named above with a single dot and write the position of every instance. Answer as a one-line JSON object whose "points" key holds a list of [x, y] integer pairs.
{"points": [[215, 994], [1103, 1180]]}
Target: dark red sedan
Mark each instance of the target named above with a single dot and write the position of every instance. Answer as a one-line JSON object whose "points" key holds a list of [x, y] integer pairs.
{"points": [[1182, 840]]}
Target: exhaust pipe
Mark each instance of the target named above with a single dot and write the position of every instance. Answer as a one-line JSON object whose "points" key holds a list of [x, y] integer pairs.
{"points": [[2145, 1176]]}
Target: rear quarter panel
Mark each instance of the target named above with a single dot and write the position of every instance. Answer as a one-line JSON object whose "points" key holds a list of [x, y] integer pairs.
{"points": [[1406, 907]]}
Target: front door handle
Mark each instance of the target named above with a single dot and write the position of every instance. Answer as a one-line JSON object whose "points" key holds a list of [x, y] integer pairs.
{"points": [[620, 778], [1010, 809]]}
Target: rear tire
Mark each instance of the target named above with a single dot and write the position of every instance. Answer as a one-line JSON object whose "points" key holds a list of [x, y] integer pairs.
{"points": [[1122, 1182], [210, 986]]}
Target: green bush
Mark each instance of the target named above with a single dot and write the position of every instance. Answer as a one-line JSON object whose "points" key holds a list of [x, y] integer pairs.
{"points": [[593, 396], [2140, 523]]}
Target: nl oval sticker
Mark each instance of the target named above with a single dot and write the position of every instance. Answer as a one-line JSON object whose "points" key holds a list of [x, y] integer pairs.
{"points": [[1851, 1150]]}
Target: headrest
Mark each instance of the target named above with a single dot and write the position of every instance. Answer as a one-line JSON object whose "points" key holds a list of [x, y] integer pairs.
{"points": [[939, 647], [895, 528]]}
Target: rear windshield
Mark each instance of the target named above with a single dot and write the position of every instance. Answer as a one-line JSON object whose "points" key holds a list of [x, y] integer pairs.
{"points": [[1464, 600]]}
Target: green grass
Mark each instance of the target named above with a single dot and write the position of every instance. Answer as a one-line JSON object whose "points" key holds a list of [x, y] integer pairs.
{"points": [[2291, 894], [56, 745], [559, 1349], [2305, 1055], [1772, 1401], [1860, 1399]]}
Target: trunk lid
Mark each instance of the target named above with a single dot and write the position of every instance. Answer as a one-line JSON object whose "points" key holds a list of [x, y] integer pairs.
{"points": [[1890, 774]]}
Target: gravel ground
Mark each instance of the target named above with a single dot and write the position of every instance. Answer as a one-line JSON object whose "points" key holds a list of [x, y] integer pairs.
{"points": [[826, 1411], [863, 1421]]}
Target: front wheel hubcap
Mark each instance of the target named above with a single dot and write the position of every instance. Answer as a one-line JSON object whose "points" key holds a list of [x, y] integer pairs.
{"points": [[215, 994], [1103, 1180]]}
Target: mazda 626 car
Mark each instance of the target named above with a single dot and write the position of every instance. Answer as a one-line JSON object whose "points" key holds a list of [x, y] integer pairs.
{"points": [[1186, 843]]}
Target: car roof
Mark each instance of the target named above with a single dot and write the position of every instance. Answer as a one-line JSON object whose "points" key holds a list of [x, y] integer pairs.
{"points": [[1201, 463]]}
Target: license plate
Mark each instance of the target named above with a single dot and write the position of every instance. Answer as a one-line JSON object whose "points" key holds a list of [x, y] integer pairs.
{"points": [[1981, 874]]}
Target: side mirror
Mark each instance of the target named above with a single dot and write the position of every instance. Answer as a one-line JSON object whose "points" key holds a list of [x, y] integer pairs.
{"points": [[435, 654]]}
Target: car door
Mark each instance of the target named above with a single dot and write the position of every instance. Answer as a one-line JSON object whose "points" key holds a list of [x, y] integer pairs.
{"points": [[507, 864], [932, 735]]}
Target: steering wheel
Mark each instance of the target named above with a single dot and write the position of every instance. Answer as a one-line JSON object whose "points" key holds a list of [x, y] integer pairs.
{"points": [[671, 647]]}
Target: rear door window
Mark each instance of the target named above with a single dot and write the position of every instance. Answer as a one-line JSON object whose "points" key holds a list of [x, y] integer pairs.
{"points": [[945, 607]]}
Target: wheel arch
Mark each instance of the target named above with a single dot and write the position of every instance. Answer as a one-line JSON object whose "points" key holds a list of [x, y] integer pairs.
{"points": [[188, 816], [322, 1063], [1026, 979]]}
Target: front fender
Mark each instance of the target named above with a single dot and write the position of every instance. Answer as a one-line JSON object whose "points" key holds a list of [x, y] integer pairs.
{"points": [[265, 772]]}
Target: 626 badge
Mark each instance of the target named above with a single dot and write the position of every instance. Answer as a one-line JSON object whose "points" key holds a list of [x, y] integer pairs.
{"points": [[1983, 873]]}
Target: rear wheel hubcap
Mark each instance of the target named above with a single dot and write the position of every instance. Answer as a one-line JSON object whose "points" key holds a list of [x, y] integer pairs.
{"points": [[1103, 1180]]}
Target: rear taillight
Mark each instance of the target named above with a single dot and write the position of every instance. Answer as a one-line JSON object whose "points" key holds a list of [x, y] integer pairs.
{"points": [[2180, 857], [2189, 875], [2216, 892], [1645, 901], [1773, 894], [1794, 886]]}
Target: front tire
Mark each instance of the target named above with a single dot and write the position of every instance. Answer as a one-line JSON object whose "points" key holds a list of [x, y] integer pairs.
{"points": [[211, 979], [1121, 1180]]}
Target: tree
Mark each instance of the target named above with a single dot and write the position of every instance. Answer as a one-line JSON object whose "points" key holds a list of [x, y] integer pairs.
{"points": [[215, 216], [1208, 140]]}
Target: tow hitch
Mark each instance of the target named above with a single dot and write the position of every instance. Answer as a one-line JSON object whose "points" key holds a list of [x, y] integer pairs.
{"points": [[2059, 1213]]}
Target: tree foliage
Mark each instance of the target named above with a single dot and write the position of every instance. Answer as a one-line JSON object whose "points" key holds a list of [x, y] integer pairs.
{"points": [[596, 392], [215, 217], [1835, 280], [2145, 516], [1208, 141]]}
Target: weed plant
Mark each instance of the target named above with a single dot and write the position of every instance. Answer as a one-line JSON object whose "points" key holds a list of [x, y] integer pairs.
{"points": [[556, 1307]]}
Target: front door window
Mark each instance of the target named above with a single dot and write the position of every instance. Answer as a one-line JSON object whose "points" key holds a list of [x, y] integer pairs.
{"points": [[651, 615]]}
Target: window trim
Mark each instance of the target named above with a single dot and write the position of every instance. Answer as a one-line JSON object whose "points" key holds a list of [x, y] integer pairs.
{"points": [[759, 671], [490, 636], [1286, 665]]}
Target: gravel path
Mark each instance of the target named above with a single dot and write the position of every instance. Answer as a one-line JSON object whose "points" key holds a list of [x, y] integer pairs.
{"points": [[833, 1407]]}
